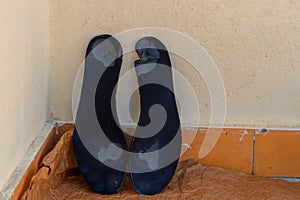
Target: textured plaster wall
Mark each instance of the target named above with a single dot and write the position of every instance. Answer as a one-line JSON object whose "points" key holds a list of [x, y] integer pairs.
{"points": [[255, 44], [24, 49]]}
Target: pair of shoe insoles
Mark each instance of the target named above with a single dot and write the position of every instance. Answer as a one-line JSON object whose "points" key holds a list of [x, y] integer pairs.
{"points": [[100, 146]]}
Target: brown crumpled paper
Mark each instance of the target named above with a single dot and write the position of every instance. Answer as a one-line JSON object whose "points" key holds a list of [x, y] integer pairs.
{"points": [[59, 178]]}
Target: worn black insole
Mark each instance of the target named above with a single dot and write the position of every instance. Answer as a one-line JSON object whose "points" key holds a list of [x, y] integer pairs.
{"points": [[106, 59], [150, 175]]}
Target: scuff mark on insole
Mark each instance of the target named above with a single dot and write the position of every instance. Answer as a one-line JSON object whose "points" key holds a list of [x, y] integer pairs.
{"points": [[152, 161], [112, 152]]}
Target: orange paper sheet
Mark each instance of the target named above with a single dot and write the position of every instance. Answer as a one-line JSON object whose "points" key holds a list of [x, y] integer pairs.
{"points": [[60, 178]]}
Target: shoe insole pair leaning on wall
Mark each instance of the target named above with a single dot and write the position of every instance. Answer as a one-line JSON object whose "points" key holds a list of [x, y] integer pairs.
{"points": [[101, 150]]}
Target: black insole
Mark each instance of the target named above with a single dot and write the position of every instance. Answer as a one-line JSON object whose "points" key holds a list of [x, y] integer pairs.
{"points": [[106, 60], [151, 175]]}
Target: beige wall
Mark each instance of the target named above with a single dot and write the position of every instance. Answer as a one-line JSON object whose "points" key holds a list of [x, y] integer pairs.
{"points": [[255, 44], [24, 62]]}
